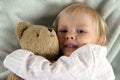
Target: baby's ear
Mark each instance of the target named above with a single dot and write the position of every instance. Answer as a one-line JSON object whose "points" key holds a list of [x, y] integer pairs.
{"points": [[21, 27], [102, 40]]}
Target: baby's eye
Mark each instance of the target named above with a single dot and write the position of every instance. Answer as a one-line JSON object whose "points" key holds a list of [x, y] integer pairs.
{"points": [[63, 31], [81, 31]]}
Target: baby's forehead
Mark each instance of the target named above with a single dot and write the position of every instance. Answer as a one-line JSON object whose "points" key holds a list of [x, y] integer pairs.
{"points": [[91, 15], [78, 10], [89, 12]]}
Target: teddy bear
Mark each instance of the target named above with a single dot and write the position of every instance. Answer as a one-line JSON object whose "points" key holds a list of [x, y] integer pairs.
{"points": [[39, 39]]}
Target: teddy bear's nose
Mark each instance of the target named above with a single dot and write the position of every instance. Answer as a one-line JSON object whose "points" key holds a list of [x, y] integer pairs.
{"points": [[50, 29]]}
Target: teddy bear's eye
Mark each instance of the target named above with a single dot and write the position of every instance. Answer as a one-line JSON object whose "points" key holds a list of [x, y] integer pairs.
{"points": [[37, 35]]}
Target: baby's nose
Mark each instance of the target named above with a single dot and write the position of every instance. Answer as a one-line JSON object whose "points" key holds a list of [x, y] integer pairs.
{"points": [[70, 36]]}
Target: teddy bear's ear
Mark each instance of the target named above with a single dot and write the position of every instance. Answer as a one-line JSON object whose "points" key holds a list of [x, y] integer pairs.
{"points": [[21, 27]]}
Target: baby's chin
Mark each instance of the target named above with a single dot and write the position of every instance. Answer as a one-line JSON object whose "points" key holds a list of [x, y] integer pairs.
{"points": [[68, 52]]}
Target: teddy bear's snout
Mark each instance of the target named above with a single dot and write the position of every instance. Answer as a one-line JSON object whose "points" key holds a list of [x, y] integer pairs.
{"points": [[50, 29]]}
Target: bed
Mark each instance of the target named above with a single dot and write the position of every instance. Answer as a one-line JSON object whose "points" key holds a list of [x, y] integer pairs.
{"points": [[44, 12]]}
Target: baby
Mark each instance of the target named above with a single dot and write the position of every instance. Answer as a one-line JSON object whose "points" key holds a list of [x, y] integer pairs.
{"points": [[82, 36]]}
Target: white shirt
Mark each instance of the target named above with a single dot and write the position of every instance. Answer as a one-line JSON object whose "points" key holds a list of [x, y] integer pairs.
{"points": [[86, 63]]}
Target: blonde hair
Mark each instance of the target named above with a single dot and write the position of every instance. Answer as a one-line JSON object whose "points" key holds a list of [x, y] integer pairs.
{"points": [[99, 22]]}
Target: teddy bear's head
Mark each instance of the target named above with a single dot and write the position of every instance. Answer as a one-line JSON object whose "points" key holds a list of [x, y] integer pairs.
{"points": [[39, 39]]}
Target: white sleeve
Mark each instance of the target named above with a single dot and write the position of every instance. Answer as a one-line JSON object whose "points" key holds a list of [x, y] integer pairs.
{"points": [[21, 63], [29, 66], [86, 63]]}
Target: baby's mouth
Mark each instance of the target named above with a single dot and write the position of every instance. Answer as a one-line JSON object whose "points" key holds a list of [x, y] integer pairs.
{"points": [[70, 46]]}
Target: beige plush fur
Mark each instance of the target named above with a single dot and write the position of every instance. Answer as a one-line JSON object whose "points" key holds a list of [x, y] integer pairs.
{"points": [[38, 39]]}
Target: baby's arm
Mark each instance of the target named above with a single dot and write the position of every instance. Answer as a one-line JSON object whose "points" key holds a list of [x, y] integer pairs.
{"points": [[25, 64], [83, 64], [29, 66]]}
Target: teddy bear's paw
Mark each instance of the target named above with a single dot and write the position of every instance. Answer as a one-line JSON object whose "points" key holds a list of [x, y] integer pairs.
{"points": [[12, 76]]}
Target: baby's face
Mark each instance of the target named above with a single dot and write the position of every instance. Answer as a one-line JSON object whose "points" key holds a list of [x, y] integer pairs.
{"points": [[76, 30]]}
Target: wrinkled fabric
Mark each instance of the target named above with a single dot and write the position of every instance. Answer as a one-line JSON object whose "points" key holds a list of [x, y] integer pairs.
{"points": [[86, 63]]}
